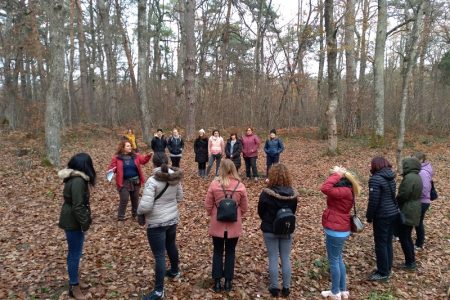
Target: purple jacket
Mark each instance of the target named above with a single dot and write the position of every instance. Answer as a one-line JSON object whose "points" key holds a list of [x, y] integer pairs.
{"points": [[426, 174]]}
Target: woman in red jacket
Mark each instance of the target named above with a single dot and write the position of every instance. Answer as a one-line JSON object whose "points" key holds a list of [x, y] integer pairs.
{"points": [[340, 188], [225, 234], [129, 176]]}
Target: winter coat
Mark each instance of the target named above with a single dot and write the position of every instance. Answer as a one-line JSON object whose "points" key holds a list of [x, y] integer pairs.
{"points": [[75, 212], [117, 163], [274, 146], [201, 149], [163, 211], [409, 192], [426, 174], [213, 197], [382, 203], [132, 138], [215, 145], [250, 145], [339, 204], [158, 144], [175, 146], [271, 200], [235, 153]]}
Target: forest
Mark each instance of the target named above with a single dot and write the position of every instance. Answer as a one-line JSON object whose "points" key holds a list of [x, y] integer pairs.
{"points": [[342, 81]]}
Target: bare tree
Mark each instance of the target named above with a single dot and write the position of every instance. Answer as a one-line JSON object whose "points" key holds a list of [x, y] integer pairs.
{"points": [[350, 69], [331, 32], [378, 70], [409, 60], [189, 67], [85, 99], [53, 112], [143, 71]]}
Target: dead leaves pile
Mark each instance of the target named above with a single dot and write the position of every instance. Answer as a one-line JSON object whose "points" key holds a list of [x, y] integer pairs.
{"points": [[117, 261]]}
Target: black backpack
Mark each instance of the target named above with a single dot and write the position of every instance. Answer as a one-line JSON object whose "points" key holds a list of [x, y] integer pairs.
{"points": [[227, 208], [284, 222]]}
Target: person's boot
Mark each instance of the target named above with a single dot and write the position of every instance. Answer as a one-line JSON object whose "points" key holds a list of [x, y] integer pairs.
{"points": [[83, 285], [204, 173], [228, 285], [75, 292], [217, 285]]}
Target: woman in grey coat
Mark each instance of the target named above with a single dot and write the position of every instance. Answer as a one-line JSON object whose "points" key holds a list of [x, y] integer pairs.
{"points": [[159, 204]]}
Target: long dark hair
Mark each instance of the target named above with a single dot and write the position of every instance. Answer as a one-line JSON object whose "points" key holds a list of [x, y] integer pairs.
{"points": [[83, 162], [160, 160]]}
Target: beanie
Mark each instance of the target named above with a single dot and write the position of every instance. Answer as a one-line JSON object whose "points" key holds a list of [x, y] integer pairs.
{"points": [[201, 131]]}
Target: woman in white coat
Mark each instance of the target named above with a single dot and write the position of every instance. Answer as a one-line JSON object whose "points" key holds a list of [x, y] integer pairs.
{"points": [[159, 204]]}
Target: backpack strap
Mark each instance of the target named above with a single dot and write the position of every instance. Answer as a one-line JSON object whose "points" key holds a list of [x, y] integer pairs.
{"points": [[232, 193]]}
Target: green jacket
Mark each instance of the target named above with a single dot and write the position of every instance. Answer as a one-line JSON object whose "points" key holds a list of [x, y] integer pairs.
{"points": [[409, 192], [75, 212]]}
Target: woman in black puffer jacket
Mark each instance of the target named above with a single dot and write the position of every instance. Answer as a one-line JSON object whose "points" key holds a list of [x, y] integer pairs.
{"points": [[383, 212], [278, 194]]}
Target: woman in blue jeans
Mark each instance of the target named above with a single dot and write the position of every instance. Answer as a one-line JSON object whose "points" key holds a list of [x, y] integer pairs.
{"points": [[340, 189], [278, 194], [159, 205], [75, 216]]}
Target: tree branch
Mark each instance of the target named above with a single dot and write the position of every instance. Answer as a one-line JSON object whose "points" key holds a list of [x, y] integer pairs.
{"points": [[398, 26]]}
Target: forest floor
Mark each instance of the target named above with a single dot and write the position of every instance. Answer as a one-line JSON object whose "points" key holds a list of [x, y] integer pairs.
{"points": [[117, 261]]}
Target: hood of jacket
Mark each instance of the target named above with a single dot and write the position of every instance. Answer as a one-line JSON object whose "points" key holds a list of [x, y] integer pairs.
{"points": [[386, 173], [282, 192], [411, 165], [67, 173], [426, 166], [173, 177]]}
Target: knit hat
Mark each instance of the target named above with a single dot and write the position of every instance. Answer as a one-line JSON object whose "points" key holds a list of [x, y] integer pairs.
{"points": [[273, 131], [201, 131]]}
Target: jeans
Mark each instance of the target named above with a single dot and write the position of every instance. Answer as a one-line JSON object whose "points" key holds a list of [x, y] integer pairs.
{"points": [[279, 246], [124, 194], [420, 230], [162, 239], [175, 161], [383, 230], [404, 233], [271, 160], [75, 239], [335, 247], [218, 268], [251, 162], [212, 158]]}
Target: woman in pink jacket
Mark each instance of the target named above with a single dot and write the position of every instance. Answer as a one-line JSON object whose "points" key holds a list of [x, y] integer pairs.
{"points": [[225, 235], [250, 145]]}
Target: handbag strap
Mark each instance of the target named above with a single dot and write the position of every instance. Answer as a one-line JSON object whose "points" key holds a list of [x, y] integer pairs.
{"points": [[354, 204], [162, 192]]}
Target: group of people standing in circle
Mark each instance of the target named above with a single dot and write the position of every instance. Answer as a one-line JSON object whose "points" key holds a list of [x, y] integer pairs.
{"points": [[158, 208]]}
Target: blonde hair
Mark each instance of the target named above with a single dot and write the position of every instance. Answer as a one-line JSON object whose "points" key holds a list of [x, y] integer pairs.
{"points": [[227, 171], [355, 184]]}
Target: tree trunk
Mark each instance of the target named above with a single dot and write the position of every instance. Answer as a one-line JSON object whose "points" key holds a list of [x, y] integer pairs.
{"points": [[70, 63], [111, 90], [189, 68], [363, 60], [53, 112], [409, 61], [378, 71], [87, 108], [181, 57], [332, 77], [350, 69], [321, 65], [143, 71], [224, 63], [126, 46]]}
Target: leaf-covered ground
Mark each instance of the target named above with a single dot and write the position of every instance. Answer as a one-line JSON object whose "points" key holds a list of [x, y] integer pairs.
{"points": [[117, 261]]}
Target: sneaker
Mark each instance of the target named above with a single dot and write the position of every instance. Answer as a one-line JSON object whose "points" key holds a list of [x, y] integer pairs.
{"points": [[345, 295], [417, 248], [173, 275], [154, 295], [274, 292], [395, 239], [409, 267], [330, 295], [378, 277], [256, 179], [285, 292]]}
